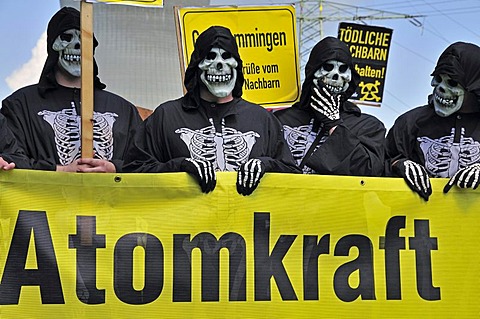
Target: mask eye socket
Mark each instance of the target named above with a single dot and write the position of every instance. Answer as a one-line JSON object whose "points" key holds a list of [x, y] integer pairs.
{"points": [[437, 78], [211, 56], [343, 68], [226, 55], [452, 83], [327, 67], [66, 37]]}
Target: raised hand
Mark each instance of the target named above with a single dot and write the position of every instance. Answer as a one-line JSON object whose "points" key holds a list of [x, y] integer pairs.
{"points": [[416, 177], [203, 171], [249, 175], [326, 106], [467, 177]]}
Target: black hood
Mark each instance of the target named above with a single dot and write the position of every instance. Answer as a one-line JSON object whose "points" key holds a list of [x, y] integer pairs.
{"points": [[461, 61], [65, 19], [215, 36], [328, 48]]}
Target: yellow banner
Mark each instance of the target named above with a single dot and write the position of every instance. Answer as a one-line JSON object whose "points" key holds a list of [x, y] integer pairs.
{"points": [[301, 246], [139, 3], [267, 41]]}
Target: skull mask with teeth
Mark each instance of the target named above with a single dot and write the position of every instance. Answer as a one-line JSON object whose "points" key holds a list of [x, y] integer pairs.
{"points": [[218, 72], [65, 21], [334, 75], [448, 95], [329, 56], [67, 45]]}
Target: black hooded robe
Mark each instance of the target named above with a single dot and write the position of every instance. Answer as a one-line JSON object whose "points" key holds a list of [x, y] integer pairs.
{"points": [[443, 145], [356, 146], [45, 117], [225, 134]]}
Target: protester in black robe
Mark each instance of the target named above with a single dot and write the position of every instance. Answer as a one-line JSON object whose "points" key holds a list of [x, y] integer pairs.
{"points": [[45, 117], [212, 128], [326, 133], [442, 138]]}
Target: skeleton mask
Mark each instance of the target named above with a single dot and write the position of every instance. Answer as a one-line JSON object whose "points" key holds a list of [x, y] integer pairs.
{"points": [[218, 72], [67, 45], [335, 75], [448, 95]]}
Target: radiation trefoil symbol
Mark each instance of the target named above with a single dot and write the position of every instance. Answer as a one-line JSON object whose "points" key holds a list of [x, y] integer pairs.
{"points": [[369, 91]]}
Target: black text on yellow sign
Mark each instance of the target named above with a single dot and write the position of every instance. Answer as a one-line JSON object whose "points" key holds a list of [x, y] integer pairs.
{"points": [[369, 46], [267, 45], [268, 263]]}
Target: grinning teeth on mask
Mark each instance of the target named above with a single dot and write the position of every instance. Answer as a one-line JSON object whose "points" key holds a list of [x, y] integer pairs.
{"points": [[72, 58], [71, 55], [218, 72], [219, 78], [333, 89], [446, 102]]}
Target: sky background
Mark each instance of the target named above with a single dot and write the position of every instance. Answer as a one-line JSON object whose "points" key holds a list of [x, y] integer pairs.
{"points": [[413, 54]]}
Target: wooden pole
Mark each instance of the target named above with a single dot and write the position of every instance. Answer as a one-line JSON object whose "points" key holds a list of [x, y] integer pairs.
{"points": [[176, 13], [87, 100]]}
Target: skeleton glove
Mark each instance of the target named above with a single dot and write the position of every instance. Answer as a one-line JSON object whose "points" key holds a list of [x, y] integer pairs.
{"points": [[416, 177], [326, 106], [203, 171], [467, 177], [249, 175]]}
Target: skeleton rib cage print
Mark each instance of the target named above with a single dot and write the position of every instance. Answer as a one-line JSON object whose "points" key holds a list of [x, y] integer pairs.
{"points": [[66, 127], [227, 149]]}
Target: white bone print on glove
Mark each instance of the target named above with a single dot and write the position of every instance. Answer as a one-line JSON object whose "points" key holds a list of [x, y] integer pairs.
{"points": [[203, 171], [468, 177], [416, 177], [326, 103], [249, 175]]}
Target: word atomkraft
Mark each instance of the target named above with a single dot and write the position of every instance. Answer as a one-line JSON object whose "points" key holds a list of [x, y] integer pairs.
{"points": [[268, 264]]}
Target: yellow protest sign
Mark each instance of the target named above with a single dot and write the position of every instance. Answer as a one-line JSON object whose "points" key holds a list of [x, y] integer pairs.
{"points": [[300, 246], [267, 42], [369, 46]]}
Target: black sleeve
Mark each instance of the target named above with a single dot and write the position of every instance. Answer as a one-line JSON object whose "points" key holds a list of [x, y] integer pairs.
{"points": [[399, 144], [135, 122], [13, 112], [9, 149], [146, 154], [279, 159], [357, 150]]}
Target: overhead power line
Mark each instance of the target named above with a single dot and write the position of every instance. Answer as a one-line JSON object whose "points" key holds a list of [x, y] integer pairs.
{"points": [[311, 14]]}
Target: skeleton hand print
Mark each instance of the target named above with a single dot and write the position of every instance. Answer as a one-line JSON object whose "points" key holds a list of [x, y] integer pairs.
{"points": [[468, 177], [249, 175], [203, 171], [326, 103], [326, 106], [416, 177]]}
